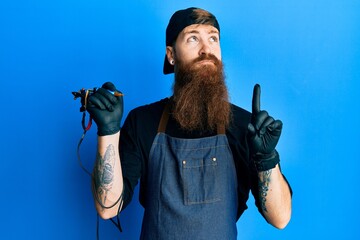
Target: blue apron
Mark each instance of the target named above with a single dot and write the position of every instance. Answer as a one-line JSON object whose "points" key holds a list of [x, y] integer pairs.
{"points": [[191, 188]]}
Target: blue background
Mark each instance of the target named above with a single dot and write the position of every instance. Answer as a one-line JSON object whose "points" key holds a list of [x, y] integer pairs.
{"points": [[305, 54]]}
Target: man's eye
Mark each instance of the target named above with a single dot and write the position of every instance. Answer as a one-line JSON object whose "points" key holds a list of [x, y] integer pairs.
{"points": [[192, 39], [214, 39]]}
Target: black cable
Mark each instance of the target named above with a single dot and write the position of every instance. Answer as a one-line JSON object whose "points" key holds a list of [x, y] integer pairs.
{"points": [[97, 226], [78, 153]]}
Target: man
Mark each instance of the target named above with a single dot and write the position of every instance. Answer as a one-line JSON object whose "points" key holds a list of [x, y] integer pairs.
{"points": [[197, 156]]}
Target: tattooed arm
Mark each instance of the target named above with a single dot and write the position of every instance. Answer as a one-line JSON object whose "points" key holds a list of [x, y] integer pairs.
{"points": [[274, 192], [107, 177], [275, 197]]}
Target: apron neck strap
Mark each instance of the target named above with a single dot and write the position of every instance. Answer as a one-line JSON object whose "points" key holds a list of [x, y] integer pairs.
{"points": [[165, 117], [220, 129]]}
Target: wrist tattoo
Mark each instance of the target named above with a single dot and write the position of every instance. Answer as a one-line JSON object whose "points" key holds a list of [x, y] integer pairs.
{"points": [[104, 173], [264, 181]]}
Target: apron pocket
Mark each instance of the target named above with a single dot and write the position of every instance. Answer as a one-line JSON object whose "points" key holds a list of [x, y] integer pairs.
{"points": [[200, 183]]}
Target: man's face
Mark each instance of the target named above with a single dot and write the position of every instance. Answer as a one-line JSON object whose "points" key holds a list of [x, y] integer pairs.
{"points": [[196, 40]]}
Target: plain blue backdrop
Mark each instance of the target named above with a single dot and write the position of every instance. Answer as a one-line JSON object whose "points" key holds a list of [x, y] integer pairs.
{"points": [[305, 54]]}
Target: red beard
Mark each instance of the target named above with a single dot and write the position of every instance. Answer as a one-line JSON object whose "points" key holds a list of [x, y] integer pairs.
{"points": [[201, 99]]}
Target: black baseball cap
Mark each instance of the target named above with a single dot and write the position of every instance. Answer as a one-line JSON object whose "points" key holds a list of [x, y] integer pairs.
{"points": [[180, 20]]}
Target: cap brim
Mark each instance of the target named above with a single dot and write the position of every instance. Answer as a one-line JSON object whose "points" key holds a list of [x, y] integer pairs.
{"points": [[168, 68]]}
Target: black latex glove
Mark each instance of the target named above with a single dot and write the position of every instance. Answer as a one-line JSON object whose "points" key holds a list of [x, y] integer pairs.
{"points": [[264, 134], [106, 109]]}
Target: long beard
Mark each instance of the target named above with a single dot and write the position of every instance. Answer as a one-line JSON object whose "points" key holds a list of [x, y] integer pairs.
{"points": [[201, 99]]}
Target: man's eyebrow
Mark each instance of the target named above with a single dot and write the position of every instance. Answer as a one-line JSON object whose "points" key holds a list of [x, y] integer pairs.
{"points": [[196, 31], [191, 32], [214, 31]]}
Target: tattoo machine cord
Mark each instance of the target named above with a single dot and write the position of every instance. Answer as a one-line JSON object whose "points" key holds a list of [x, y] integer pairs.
{"points": [[84, 94]]}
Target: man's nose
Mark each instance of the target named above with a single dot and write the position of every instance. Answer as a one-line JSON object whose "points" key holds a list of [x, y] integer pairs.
{"points": [[205, 48]]}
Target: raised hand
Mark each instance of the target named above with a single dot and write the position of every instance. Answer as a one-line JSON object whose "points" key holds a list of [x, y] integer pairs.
{"points": [[264, 134]]}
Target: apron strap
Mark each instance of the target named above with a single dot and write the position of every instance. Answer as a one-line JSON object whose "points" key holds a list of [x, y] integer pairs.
{"points": [[165, 117], [220, 129]]}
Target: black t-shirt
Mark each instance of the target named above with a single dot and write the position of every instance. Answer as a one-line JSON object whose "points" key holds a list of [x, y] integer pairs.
{"points": [[140, 129]]}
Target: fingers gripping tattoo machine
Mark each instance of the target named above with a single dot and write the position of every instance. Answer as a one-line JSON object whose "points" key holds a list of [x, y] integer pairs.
{"points": [[84, 95]]}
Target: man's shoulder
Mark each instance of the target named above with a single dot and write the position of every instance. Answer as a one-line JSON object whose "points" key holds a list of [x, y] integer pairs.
{"points": [[148, 113], [144, 120], [240, 118], [151, 108], [240, 113]]}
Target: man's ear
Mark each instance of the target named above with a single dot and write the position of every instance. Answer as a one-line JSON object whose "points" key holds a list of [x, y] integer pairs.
{"points": [[170, 55]]}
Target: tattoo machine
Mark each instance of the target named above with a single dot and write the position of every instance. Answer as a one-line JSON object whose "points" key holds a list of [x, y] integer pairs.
{"points": [[84, 94]]}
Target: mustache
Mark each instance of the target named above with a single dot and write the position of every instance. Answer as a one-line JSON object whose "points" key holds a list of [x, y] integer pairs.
{"points": [[207, 56]]}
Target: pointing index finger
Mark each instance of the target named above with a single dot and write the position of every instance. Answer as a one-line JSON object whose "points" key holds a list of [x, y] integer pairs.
{"points": [[256, 99]]}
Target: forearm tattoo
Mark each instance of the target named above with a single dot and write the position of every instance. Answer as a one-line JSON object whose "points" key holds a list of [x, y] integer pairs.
{"points": [[264, 181], [104, 173]]}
